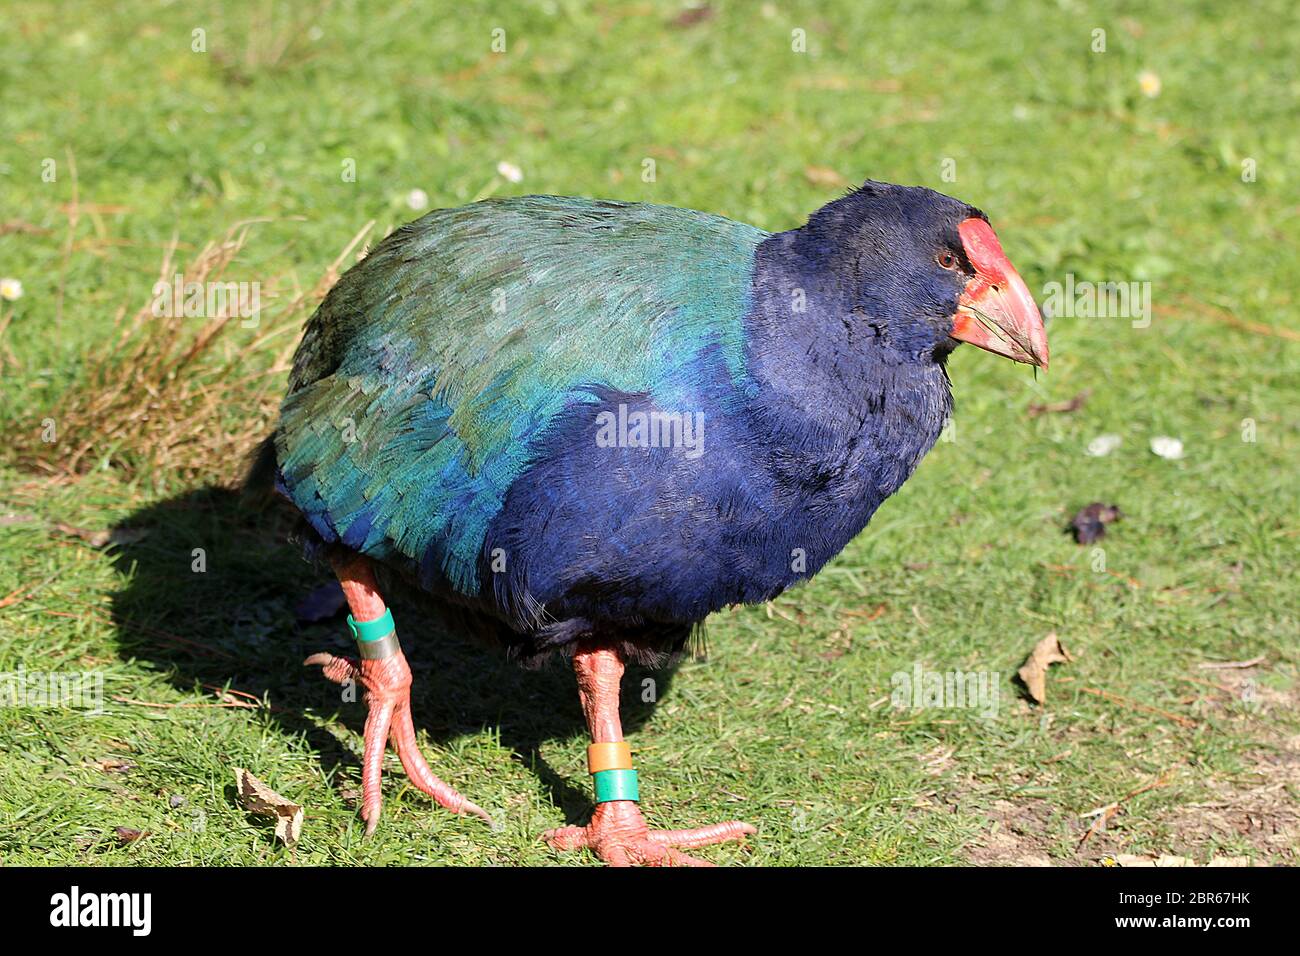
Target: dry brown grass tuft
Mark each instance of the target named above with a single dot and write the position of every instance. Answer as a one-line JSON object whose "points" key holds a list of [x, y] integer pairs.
{"points": [[261, 40], [187, 396]]}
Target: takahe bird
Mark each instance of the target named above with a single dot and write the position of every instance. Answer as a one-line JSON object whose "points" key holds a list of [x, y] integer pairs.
{"points": [[589, 424]]}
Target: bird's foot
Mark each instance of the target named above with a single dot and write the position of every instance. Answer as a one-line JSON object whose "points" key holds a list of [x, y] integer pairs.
{"points": [[387, 683], [618, 835]]}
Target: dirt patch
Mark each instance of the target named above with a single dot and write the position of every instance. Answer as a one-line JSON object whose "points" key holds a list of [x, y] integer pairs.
{"points": [[1021, 834], [1259, 810], [1253, 814]]}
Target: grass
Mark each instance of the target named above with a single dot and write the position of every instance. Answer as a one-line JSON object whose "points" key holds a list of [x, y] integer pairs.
{"points": [[153, 144]]}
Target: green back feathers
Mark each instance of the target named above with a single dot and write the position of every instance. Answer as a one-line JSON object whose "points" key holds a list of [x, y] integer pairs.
{"points": [[446, 352]]}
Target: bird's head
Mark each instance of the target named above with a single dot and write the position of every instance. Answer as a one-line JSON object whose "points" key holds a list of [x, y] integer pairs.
{"points": [[925, 271]]}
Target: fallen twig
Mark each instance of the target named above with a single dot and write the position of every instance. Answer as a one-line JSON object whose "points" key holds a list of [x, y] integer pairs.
{"points": [[1138, 705], [73, 212], [1069, 405], [238, 704], [1216, 314], [1209, 683], [1104, 814], [13, 597], [1231, 665]]}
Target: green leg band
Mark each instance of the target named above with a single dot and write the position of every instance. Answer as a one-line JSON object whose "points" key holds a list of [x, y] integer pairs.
{"points": [[374, 630], [616, 785], [375, 639]]}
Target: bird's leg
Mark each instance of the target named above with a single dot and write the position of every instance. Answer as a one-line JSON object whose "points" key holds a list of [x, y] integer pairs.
{"points": [[383, 672], [617, 832]]}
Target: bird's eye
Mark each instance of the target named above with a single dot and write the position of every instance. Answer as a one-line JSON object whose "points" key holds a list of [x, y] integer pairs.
{"points": [[947, 259]]}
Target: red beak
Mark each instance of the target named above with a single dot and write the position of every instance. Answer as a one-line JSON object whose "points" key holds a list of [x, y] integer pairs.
{"points": [[996, 311]]}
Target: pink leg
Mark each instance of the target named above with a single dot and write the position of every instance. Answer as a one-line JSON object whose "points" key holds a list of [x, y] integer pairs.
{"points": [[617, 832], [387, 684]]}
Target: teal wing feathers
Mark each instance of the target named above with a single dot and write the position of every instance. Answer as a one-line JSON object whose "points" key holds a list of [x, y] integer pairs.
{"points": [[427, 378]]}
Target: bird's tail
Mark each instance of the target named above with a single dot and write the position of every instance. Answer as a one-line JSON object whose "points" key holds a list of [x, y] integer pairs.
{"points": [[259, 478]]}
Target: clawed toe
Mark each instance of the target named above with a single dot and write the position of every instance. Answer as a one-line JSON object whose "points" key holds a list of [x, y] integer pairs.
{"points": [[387, 683], [703, 836], [566, 838], [618, 835]]}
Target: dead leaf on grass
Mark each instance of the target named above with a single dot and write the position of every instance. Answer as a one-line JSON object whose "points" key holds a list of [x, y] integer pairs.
{"points": [[257, 797], [113, 765], [1033, 673], [1137, 860]]}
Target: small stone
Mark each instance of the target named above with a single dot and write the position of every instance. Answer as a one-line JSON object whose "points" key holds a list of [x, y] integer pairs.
{"points": [[1103, 445], [1167, 447]]}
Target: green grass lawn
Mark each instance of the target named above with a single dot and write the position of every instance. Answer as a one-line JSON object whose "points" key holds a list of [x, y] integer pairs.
{"points": [[117, 138]]}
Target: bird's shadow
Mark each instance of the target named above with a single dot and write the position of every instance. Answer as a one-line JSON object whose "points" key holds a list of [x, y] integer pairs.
{"points": [[209, 583]]}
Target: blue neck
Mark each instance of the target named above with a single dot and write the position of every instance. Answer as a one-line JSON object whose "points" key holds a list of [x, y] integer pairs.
{"points": [[847, 414]]}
